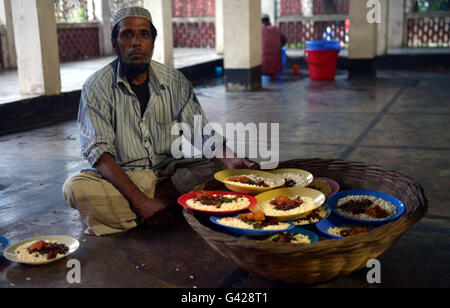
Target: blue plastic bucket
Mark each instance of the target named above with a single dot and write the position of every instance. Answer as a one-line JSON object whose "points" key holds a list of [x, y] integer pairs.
{"points": [[323, 45]]}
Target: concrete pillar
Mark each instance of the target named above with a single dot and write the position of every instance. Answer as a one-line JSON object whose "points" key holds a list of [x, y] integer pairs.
{"points": [[9, 47], [396, 23], [161, 11], [269, 7], [37, 47], [243, 45], [219, 27], [383, 27], [362, 48], [103, 16]]}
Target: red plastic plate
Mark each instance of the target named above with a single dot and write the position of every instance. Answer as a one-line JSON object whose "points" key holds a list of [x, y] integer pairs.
{"points": [[184, 198]]}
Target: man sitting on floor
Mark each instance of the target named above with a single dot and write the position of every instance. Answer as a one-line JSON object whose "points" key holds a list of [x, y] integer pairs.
{"points": [[126, 114]]}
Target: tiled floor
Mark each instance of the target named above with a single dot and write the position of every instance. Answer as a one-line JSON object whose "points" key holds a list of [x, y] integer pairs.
{"points": [[399, 121]]}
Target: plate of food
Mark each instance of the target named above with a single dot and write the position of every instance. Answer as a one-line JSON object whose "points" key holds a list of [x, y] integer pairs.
{"points": [[294, 177], [289, 203], [216, 202], [251, 224], [41, 250], [249, 181], [3, 243], [336, 227], [325, 185], [366, 206], [294, 236], [313, 217]]}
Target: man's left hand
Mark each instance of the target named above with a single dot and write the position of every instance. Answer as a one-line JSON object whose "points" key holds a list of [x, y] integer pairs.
{"points": [[239, 163]]}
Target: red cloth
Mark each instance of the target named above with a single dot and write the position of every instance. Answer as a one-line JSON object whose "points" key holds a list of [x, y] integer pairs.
{"points": [[272, 41]]}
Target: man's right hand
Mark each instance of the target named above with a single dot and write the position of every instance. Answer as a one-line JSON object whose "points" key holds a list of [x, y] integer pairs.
{"points": [[153, 211]]}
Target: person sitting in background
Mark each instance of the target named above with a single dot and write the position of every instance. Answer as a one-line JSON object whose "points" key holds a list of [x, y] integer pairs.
{"points": [[272, 42]]}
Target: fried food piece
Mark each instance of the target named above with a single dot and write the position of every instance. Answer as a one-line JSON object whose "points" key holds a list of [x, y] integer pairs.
{"points": [[353, 231], [377, 212], [37, 247], [240, 179], [284, 203], [203, 196], [281, 200], [253, 216], [259, 216]]}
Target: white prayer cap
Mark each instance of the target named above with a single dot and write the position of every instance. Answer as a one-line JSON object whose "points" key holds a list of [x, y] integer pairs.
{"points": [[131, 12]]}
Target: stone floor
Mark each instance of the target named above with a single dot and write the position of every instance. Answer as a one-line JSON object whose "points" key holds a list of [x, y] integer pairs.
{"points": [[399, 121], [74, 74]]}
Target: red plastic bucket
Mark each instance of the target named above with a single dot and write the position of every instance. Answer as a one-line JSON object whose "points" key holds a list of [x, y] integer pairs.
{"points": [[322, 64]]}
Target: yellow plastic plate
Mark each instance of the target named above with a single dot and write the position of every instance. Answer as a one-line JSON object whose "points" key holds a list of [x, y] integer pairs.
{"points": [[291, 192], [309, 177], [224, 175]]}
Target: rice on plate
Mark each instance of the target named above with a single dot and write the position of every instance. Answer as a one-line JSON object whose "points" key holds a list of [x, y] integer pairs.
{"points": [[364, 207], [285, 206], [28, 253], [344, 230], [294, 179], [313, 217], [286, 237], [252, 180], [214, 202], [238, 223], [301, 239]]}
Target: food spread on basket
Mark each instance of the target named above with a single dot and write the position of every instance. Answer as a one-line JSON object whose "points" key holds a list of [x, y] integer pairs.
{"points": [[287, 237], [268, 215], [284, 205], [211, 202], [38, 251], [252, 180], [347, 230], [253, 220], [294, 179], [321, 185], [313, 217], [366, 208]]}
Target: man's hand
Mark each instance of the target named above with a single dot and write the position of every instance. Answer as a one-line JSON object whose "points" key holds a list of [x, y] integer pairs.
{"points": [[232, 162], [154, 212], [239, 163]]}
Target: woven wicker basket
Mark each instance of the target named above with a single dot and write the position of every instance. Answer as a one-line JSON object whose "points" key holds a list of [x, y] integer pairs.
{"points": [[328, 259]]}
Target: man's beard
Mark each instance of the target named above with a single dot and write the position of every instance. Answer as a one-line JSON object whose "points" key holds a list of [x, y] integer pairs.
{"points": [[134, 69]]}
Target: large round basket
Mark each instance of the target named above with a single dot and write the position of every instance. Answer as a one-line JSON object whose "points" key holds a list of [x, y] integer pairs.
{"points": [[328, 259]]}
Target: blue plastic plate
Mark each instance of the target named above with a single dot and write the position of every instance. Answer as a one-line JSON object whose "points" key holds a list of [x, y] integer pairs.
{"points": [[249, 232], [3, 243], [333, 200], [332, 222]]}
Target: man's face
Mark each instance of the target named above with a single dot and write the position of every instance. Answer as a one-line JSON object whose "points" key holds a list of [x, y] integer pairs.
{"points": [[134, 44]]}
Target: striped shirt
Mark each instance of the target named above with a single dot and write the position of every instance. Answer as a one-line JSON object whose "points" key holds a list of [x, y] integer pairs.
{"points": [[109, 117]]}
